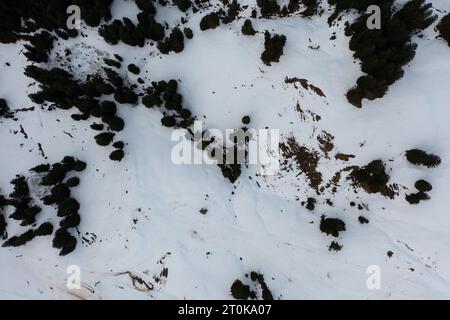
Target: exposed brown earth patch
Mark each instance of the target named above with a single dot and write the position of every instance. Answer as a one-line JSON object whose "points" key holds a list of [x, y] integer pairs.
{"points": [[307, 160], [305, 84], [326, 142], [344, 157]]}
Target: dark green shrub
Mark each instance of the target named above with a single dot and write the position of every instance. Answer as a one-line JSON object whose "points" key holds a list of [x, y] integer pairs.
{"points": [[40, 46], [151, 100], [363, 220], [188, 33], [113, 63], [183, 5], [273, 48], [423, 185], [383, 53], [246, 120], [134, 68], [168, 121], [79, 165], [444, 28], [59, 193], [210, 21], [41, 168], [373, 177], [420, 157], [70, 221], [18, 241], [247, 28], [97, 126], [104, 139], [115, 123], [68, 207], [125, 95], [268, 7], [331, 226], [65, 241], [108, 108], [416, 198], [174, 43], [119, 145], [5, 112], [117, 155], [240, 291], [44, 229], [72, 182]]}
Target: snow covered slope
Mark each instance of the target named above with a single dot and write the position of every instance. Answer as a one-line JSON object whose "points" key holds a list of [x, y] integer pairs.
{"points": [[141, 219]]}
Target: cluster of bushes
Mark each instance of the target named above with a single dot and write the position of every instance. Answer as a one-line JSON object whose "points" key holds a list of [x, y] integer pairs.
{"points": [[213, 19], [372, 177], [241, 291], [174, 43], [183, 5], [131, 34], [273, 48], [39, 21], [57, 86], [41, 44], [423, 187], [21, 200], [444, 28], [45, 229], [165, 94], [383, 52], [54, 176], [270, 8], [421, 158], [147, 28]]}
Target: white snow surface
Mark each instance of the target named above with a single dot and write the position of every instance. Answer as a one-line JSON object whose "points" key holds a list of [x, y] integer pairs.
{"points": [[144, 211]]}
